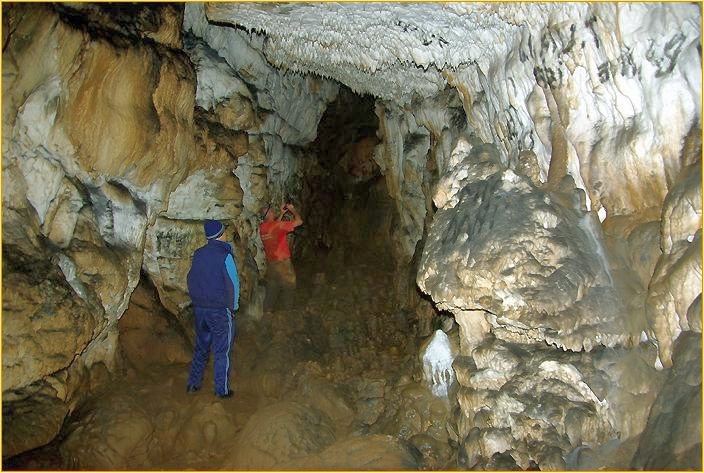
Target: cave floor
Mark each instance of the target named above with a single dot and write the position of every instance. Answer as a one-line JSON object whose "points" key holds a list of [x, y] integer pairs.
{"points": [[345, 350]]}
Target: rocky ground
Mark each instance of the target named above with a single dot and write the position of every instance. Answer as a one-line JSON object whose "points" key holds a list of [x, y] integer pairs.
{"points": [[334, 383]]}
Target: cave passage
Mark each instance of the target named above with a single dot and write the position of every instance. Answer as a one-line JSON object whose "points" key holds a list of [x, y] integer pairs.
{"points": [[341, 364], [347, 207]]}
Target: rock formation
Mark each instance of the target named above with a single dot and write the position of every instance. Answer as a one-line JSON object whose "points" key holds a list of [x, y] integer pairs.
{"points": [[539, 167]]}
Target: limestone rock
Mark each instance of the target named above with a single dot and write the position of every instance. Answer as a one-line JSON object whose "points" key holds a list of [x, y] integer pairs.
{"points": [[44, 325], [33, 422], [544, 409], [534, 260], [326, 397], [285, 432], [375, 452], [437, 354], [88, 160], [672, 439], [294, 103], [677, 278], [637, 238], [148, 335], [120, 136], [122, 437], [629, 383], [694, 315], [156, 23], [220, 91]]}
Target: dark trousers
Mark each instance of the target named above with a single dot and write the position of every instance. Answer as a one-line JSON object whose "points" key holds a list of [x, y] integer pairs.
{"points": [[215, 330], [280, 285]]}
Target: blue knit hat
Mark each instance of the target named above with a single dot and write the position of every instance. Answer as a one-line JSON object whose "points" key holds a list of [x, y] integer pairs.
{"points": [[213, 229]]}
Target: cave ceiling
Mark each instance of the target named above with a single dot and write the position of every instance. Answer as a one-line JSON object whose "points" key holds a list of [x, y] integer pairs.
{"points": [[394, 51]]}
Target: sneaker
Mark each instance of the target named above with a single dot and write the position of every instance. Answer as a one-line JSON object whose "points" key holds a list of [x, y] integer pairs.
{"points": [[191, 389], [229, 394]]}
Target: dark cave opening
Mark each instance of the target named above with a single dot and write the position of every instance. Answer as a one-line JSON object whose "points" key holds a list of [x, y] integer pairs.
{"points": [[348, 209], [350, 215], [347, 120]]}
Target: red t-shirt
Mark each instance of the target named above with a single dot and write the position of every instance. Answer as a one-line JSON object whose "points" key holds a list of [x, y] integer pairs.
{"points": [[273, 236]]}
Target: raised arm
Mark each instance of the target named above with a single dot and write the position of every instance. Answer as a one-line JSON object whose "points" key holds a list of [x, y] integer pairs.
{"points": [[297, 220]]}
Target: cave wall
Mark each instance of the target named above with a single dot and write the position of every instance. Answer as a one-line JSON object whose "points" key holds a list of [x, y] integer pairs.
{"points": [[570, 152], [110, 165], [91, 152]]}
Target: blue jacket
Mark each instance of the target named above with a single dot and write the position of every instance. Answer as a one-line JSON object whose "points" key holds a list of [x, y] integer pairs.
{"points": [[213, 281]]}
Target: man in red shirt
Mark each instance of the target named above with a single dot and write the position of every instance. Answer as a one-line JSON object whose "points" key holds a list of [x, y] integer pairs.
{"points": [[280, 275]]}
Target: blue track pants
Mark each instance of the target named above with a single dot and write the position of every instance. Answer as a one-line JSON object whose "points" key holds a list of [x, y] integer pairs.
{"points": [[215, 329]]}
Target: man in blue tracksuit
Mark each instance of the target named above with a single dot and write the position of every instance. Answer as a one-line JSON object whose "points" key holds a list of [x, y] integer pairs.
{"points": [[214, 287]]}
